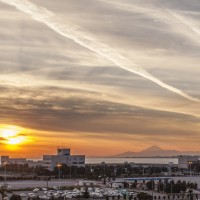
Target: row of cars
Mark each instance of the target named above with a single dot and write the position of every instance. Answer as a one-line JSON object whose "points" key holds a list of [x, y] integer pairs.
{"points": [[95, 192]]}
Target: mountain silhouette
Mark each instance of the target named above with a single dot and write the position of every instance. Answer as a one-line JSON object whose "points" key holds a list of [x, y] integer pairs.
{"points": [[155, 151]]}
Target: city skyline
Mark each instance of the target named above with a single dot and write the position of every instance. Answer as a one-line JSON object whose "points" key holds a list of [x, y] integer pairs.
{"points": [[101, 77]]}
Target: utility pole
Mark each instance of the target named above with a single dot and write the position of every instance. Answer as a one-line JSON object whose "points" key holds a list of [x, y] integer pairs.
{"points": [[152, 187]]}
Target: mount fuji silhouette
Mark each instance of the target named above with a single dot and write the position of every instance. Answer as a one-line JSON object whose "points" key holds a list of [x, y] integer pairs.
{"points": [[155, 151]]}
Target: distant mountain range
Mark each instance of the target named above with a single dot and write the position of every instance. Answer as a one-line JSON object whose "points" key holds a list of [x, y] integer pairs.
{"points": [[155, 151]]}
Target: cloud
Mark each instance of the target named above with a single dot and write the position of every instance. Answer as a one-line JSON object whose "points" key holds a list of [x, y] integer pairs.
{"points": [[80, 36], [56, 88], [3, 140], [176, 23], [83, 111]]}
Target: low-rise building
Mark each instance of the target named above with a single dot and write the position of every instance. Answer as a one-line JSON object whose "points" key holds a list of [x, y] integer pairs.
{"points": [[63, 157], [8, 160], [77, 160], [185, 161], [49, 161]]}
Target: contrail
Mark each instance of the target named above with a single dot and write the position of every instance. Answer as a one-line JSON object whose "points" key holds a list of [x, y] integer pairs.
{"points": [[81, 37], [165, 16], [188, 22]]}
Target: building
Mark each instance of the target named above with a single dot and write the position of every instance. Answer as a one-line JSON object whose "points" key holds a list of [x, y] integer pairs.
{"points": [[185, 161], [49, 161], [88, 183], [63, 157], [8, 160]]}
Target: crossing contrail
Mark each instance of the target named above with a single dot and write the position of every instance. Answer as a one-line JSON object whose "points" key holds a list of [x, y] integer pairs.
{"points": [[188, 22], [83, 38], [181, 25]]}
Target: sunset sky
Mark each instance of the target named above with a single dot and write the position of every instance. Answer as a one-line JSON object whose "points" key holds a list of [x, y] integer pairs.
{"points": [[99, 76]]}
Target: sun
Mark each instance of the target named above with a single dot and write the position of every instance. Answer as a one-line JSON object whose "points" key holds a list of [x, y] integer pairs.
{"points": [[17, 140], [6, 133], [12, 135]]}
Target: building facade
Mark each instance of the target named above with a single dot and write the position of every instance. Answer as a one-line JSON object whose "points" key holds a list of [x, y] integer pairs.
{"points": [[63, 157], [8, 160], [185, 161], [49, 161]]}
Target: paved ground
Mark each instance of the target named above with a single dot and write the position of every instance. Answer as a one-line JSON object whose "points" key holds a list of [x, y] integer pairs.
{"points": [[33, 183], [68, 182]]}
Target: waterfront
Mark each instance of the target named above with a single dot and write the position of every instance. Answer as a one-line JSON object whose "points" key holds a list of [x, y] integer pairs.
{"points": [[90, 160], [110, 160]]}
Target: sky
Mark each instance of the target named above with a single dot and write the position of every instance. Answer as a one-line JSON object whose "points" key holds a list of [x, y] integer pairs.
{"points": [[99, 76]]}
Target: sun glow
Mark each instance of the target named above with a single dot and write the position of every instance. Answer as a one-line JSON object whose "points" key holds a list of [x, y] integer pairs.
{"points": [[6, 133], [17, 140], [12, 135]]}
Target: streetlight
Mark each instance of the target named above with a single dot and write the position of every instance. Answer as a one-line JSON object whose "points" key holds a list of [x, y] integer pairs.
{"points": [[190, 166], [104, 171], [171, 186], [33, 172], [70, 171], [152, 188], [18, 169], [5, 163], [59, 166]]}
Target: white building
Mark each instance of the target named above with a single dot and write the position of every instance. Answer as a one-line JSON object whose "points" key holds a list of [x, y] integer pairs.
{"points": [[184, 161], [88, 183], [63, 157]]}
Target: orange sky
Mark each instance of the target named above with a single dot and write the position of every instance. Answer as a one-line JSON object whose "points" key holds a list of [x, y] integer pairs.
{"points": [[35, 143]]}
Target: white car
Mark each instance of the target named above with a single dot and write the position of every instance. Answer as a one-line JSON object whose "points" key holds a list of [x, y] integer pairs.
{"points": [[31, 194], [23, 195], [36, 190], [55, 187]]}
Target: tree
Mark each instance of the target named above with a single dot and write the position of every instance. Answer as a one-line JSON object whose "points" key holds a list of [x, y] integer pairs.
{"points": [[144, 196], [3, 189], [126, 185], [133, 185], [176, 187], [86, 194], [124, 196], [150, 185], [190, 194], [15, 197]]}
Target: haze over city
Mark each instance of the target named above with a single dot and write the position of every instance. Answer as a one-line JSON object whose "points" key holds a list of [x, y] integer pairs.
{"points": [[101, 77]]}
